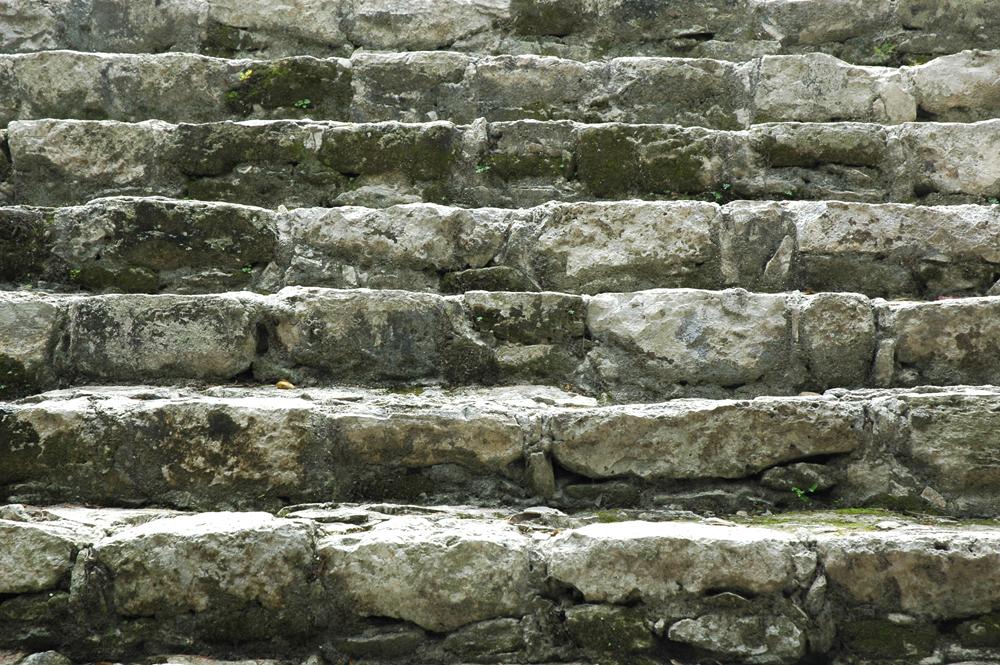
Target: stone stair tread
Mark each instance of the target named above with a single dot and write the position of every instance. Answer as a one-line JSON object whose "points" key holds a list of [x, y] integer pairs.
{"points": [[441, 85], [860, 31], [378, 580], [261, 447], [505, 164], [639, 346], [153, 245]]}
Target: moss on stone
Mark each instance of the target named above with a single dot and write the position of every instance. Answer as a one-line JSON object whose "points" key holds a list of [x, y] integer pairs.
{"points": [[15, 380], [606, 160], [980, 632], [126, 280], [609, 629], [880, 638], [423, 153], [286, 84], [23, 244]]}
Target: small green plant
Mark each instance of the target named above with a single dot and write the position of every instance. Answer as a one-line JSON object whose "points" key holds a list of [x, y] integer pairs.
{"points": [[805, 495], [884, 52], [993, 201], [245, 75], [482, 168], [722, 193], [74, 274], [232, 95], [247, 269], [303, 104]]}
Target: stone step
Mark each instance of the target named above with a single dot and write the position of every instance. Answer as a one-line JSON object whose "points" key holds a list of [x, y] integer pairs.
{"points": [[399, 584], [641, 346], [163, 245], [506, 164], [863, 31], [927, 449], [422, 86]]}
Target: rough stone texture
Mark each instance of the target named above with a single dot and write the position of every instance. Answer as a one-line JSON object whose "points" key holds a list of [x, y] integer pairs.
{"points": [[33, 557], [506, 164], [440, 577], [259, 448], [423, 86], [689, 439], [752, 639], [163, 245], [865, 32], [641, 346], [199, 337], [615, 563], [352, 581], [936, 343], [28, 331], [910, 573]]}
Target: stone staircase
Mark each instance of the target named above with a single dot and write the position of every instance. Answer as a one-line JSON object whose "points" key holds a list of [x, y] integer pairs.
{"points": [[610, 332]]}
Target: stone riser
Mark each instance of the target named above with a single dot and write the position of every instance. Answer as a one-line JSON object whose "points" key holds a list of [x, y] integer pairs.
{"points": [[643, 346], [391, 584], [513, 164], [417, 87], [158, 245], [264, 448], [858, 30]]}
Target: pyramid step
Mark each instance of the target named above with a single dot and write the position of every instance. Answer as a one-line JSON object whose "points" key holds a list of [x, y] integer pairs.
{"points": [[857, 30], [162, 245], [507, 164], [263, 448], [434, 85], [393, 584], [641, 346]]}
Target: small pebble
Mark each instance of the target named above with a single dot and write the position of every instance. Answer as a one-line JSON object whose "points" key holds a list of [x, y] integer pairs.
{"points": [[284, 385]]}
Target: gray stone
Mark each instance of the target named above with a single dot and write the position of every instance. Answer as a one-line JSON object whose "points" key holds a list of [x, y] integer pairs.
{"points": [[130, 338], [250, 562], [33, 557], [703, 439], [915, 571], [439, 576], [613, 563], [751, 638]]}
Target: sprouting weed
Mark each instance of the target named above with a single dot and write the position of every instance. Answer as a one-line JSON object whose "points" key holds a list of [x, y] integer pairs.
{"points": [[804, 494]]}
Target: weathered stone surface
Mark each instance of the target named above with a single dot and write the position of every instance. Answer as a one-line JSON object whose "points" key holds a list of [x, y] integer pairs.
{"points": [[960, 88], [241, 447], [690, 337], [28, 330], [128, 338], [821, 88], [916, 571], [406, 246], [439, 576], [936, 343], [481, 579], [699, 438], [595, 247], [894, 249], [505, 164], [33, 557], [615, 563], [753, 639], [432, 85], [252, 563], [642, 346], [865, 32], [144, 245], [166, 245]]}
